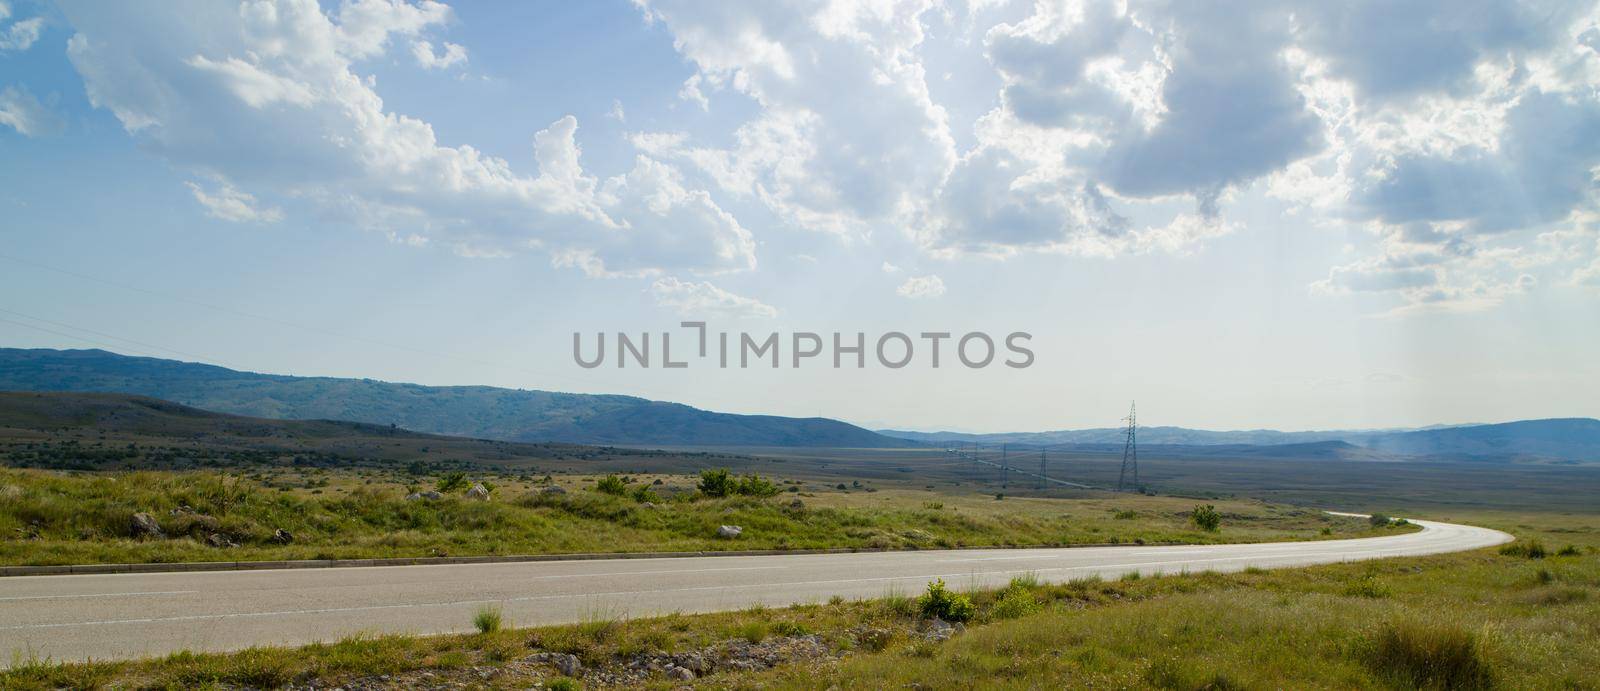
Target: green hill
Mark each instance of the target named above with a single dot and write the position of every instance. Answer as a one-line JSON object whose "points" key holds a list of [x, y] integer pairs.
{"points": [[465, 411]]}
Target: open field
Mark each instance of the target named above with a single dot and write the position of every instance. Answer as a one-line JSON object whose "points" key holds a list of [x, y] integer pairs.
{"points": [[56, 517], [1481, 619]]}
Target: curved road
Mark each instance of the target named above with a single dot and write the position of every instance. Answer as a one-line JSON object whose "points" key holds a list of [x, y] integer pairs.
{"points": [[134, 615]]}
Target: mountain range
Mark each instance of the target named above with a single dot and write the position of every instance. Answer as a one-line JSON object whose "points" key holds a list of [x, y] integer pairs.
{"points": [[520, 415], [483, 412]]}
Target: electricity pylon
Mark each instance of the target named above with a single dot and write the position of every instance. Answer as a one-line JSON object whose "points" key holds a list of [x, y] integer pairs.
{"points": [[1130, 451]]}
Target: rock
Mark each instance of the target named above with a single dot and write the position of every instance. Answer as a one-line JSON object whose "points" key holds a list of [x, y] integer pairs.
{"points": [[282, 537], [553, 489], [680, 673], [145, 525], [797, 504], [567, 664], [219, 540], [938, 630], [429, 495], [478, 492], [648, 505], [729, 531]]}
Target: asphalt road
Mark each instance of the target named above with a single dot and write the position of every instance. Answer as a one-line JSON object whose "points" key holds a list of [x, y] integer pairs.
{"points": [[134, 615]]}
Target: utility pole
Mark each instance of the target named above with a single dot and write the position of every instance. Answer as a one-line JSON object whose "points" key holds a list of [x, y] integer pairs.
{"points": [[1130, 451]]}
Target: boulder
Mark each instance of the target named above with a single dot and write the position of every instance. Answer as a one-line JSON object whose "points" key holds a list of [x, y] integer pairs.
{"points": [[729, 531], [220, 541], [145, 525], [429, 495], [553, 489], [282, 537], [680, 674], [478, 492]]}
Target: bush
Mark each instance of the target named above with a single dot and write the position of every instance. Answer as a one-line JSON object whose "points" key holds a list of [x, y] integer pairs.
{"points": [[1366, 586], [1379, 520], [1568, 551], [451, 481], [563, 684], [1015, 602], [1206, 518], [940, 602], [643, 494], [757, 486], [488, 620], [1533, 549], [1428, 657], [717, 482], [612, 485]]}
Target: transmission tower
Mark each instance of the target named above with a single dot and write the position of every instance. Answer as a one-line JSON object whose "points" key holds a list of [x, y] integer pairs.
{"points": [[1130, 452], [1042, 478], [1005, 468]]}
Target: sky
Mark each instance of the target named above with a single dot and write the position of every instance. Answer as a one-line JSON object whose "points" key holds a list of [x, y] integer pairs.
{"points": [[1291, 215]]}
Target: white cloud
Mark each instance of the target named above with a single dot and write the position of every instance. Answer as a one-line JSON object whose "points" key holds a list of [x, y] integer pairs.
{"points": [[616, 112], [692, 299], [20, 34], [452, 54], [929, 286], [890, 268], [229, 204], [20, 111], [268, 99]]}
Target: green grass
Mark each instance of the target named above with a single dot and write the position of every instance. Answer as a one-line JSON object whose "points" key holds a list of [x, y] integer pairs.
{"points": [[61, 517], [1460, 621]]}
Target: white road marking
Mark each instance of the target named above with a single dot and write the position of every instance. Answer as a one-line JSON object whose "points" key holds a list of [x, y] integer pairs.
{"points": [[66, 597]]}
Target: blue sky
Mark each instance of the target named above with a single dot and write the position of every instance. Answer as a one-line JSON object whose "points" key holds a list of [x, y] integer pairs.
{"points": [[1290, 215]]}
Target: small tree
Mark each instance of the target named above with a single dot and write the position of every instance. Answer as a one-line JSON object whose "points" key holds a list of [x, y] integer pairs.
{"points": [[717, 482], [756, 486], [1206, 517], [451, 481], [612, 485], [1379, 520]]}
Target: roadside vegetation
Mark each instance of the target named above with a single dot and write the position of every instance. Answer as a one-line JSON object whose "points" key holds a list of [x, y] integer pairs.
{"points": [[81, 517], [1474, 620]]}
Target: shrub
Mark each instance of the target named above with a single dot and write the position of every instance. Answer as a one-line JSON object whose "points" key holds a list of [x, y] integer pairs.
{"points": [[1366, 586], [643, 494], [1379, 520], [488, 620], [563, 684], [1206, 518], [940, 602], [1533, 549], [1568, 551], [790, 628], [612, 485], [1428, 657], [717, 482], [1015, 601], [1126, 515], [451, 481], [756, 486]]}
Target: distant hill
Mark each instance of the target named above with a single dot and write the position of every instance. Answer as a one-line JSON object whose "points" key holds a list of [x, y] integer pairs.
{"points": [[1562, 439], [465, 411]]}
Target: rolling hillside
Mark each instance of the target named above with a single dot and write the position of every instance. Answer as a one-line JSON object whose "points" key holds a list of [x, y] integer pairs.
{"points": [[465, 411]]}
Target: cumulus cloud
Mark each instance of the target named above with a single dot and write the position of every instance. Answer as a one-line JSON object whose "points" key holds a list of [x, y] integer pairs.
{"points": [[227, 203], [448, 55], [20, 34], [20, 111], [930, 286], [1473, 118], [268, 97], [702, 299]]}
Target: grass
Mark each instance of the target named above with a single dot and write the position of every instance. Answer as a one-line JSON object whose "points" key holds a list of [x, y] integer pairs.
{"points": [[1459, 621], [487, 620], [62, 517]]}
